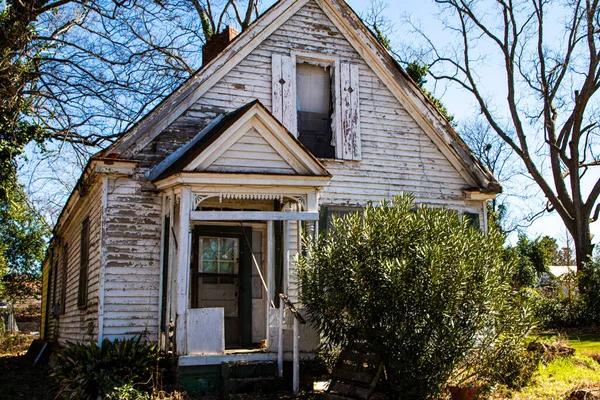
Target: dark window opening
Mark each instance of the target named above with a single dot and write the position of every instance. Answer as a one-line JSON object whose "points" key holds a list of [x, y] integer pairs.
{"points": [[327, 214], [473, 219], [315, 109], [63, 279], [82, 293]]}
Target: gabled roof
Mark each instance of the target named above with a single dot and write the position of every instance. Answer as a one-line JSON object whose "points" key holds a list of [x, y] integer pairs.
{"points": [[368, 47], [204, 150]]}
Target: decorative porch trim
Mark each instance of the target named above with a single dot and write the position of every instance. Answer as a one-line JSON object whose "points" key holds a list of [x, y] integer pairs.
{"points": [[201, 197], [236, 180], [253, 216]]}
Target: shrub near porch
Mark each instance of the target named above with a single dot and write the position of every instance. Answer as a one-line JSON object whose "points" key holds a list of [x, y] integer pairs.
{"points": [[430, 293]]}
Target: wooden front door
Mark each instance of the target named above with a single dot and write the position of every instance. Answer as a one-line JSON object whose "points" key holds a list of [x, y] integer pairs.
{"points": [[221, 278]]}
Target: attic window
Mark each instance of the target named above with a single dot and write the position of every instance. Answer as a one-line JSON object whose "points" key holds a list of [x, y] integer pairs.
{"points": [[316, 97], [315, 109]]}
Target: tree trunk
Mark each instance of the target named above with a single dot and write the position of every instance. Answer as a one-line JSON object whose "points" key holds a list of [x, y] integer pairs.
{"points": [[583, 247]]}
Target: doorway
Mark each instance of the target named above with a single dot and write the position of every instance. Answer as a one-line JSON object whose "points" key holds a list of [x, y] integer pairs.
{"points": [[221, 277]]}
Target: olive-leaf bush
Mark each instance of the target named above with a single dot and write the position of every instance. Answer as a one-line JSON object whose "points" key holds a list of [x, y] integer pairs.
{"points": [[86, 371], [422, 287]]}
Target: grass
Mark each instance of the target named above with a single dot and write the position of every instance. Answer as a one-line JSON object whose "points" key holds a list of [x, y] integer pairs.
{"points": [[560, 377], [585, 343]]}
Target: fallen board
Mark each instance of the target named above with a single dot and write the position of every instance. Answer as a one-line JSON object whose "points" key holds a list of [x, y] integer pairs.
{"points": [[355, 375]]}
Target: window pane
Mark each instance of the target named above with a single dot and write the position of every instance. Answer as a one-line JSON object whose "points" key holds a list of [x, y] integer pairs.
{"points": [[313, 89], [209, 248], [314, 109], [228, 249], [209, 267], [226, 268]]}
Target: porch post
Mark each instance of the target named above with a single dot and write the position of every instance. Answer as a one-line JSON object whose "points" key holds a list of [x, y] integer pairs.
{"points": [[183, 267]]}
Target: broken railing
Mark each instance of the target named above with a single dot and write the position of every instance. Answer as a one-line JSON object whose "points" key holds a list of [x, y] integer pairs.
{"points": [[298, 319]]}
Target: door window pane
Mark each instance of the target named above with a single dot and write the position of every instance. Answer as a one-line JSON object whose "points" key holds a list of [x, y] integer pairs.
{"points": [[209, 267], [218, 255], [226, 267], [210, 248], [228, 249]]}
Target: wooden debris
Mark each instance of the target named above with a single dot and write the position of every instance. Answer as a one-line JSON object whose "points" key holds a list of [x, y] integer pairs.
{"points": [[550, 351], [355, 375]]}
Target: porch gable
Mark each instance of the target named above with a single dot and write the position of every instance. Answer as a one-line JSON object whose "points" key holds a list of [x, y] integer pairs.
{"points": [[249, 140]]}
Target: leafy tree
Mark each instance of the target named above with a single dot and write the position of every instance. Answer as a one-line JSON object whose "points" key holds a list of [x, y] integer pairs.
{"points": [[418, 285], [418, 71], [23, 240], [532, 258], [549, 63]]}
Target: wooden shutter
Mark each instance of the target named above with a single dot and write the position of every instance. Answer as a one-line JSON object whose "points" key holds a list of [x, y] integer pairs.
{"points": [[350, 130], [63, 278], [82, 293], [55, 282], [283, 77]]}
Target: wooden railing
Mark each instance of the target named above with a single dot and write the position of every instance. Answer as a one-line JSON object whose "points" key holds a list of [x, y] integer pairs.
{"points": [[298, 319]]}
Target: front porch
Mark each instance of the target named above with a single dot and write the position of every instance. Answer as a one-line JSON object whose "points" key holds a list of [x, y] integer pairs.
{"points": [[228, 252], [236, 199]]}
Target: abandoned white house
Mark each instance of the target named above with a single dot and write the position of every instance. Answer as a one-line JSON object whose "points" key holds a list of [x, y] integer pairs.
{"points": [[186, 228]]}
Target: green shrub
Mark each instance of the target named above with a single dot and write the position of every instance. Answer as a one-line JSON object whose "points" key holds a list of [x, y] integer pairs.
{"points": [[88, 371], [589, 284], [556, 311], [419, 285]]}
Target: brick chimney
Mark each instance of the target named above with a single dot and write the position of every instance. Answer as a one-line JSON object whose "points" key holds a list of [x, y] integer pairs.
{"points": [[217, 44]]}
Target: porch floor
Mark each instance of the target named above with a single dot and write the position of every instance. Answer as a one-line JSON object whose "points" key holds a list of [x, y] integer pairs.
{"points": [[251, 355]]}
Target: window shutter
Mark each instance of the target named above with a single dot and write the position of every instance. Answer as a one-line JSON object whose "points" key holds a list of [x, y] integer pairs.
{"points": [[63, 279], [82, 295], [283, 72], [351, 146]]}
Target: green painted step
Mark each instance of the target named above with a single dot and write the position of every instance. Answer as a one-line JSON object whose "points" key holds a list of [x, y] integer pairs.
{"points": [[248, 369], [260, 385]]}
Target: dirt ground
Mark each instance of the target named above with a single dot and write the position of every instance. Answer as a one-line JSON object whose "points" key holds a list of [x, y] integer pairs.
{"points": [[19, 379]]}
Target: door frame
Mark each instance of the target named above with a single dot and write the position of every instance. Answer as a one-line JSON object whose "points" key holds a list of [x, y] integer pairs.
{"points": [[244, 235]]}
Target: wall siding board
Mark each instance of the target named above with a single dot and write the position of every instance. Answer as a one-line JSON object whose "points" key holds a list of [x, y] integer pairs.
{"points": [[133, 258], [80, 324]]}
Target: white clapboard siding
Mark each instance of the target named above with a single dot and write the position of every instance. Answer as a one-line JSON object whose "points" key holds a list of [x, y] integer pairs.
{"points": [[293, 258], [395, 154], [251, 153], [80, 324], [132, 273]]}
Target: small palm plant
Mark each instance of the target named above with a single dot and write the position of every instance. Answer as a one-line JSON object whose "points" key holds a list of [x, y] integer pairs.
{"points": [[86, 371]]}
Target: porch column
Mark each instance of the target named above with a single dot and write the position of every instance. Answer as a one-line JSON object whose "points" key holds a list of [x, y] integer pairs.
{"points": [[183, 268]]}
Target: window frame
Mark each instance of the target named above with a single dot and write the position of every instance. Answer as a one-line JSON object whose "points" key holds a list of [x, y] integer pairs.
{"points": [[328, 211], [473, 218], [333, 62]]}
